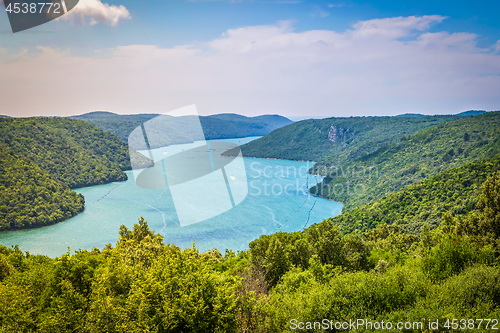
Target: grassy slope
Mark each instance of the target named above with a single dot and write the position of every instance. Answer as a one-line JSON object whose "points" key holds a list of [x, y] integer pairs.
{"points": [[412, 159], [308, 139]]}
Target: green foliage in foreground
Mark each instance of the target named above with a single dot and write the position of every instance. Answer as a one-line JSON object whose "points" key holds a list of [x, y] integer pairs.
{"points": [[455, 191], [411, 160], [308, 140], [143, 285], [122, 289], [30, 197]]}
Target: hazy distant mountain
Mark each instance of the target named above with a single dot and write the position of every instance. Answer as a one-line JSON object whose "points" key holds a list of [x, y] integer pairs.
{"points": [[272, 120], [4, 116], [219, 126], [411, 115], [110, 116], [465, 113], [471, 113]]}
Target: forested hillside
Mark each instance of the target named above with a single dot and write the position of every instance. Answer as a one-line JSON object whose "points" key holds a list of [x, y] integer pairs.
{"points": [[31, 197], [42, 158], [285, 281], [219, 126], [75, 152], [223, 126], [120, 125], [454, 191], [340, 139], [412, 159]]}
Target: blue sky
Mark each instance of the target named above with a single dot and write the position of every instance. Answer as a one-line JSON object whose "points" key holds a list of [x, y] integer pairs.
{"points": [[175, 22], [318, 58]]}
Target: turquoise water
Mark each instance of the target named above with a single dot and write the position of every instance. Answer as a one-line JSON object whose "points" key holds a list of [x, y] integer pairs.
{"points": [[277, 200]]}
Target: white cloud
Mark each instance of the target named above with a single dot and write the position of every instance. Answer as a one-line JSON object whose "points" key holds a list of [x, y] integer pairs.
{"points": [[395, 27], [266, 69], [497, 46], [317, 11], [94, 12]]}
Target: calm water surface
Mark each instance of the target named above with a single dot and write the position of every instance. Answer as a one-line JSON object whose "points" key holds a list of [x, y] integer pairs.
{"points": [[277, 201]]}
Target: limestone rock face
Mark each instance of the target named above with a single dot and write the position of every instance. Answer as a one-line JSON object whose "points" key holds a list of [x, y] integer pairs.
{"points": [[336, 134]]}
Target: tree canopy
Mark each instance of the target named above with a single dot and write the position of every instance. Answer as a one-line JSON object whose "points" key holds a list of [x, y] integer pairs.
{"points": [[41, 159]]}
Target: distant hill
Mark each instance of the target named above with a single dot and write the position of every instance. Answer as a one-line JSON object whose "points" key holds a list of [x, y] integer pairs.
{"points": [[4, 116], [413, 158], [219, 126], [336, 140], [274, 121], [471, 113], [110, 116], [415, 115], [465, 113]]}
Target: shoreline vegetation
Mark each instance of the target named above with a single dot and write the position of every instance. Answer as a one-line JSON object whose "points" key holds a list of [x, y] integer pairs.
{"points": [[319, 196]]}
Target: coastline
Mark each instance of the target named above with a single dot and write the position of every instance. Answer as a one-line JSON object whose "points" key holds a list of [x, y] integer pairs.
{"points": [[273, 158], [319, 196]]}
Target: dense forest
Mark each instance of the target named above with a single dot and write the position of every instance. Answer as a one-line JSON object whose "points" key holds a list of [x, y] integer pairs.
{"points": [[31, 197], [410, 160], [454, 191], [42, 158], [219, 126], [283, 282], [75, 152], [336, 139]]}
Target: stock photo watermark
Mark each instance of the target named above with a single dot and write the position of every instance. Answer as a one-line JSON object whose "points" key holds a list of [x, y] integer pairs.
{"points": [[375, 325], [204, 180], [261, 180], [201, 181], [27, 14]]}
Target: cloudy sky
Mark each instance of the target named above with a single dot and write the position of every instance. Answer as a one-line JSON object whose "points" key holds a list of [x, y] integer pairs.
{"points": [[295, 58]]}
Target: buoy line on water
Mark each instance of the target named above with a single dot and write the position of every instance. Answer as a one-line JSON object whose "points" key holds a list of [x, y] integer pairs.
{"points": [[310, 210], [307, 198], [108, 192]]}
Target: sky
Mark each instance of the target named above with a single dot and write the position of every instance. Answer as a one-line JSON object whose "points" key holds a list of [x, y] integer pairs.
{"points": [[288, 57]]}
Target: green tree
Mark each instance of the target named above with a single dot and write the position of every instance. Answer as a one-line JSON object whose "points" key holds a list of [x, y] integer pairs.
{"points": [[139, 245]]}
